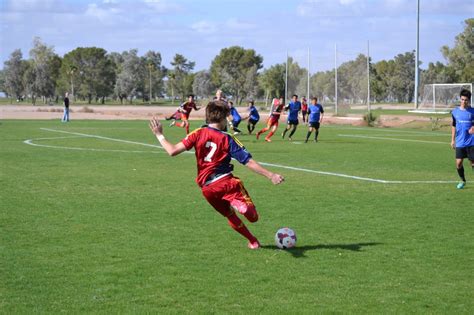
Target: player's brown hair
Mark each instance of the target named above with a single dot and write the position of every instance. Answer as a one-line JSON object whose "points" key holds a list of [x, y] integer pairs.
{"points": [[216, 111]]}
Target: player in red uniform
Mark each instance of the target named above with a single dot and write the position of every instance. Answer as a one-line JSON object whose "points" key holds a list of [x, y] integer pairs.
{"points": [[272, 122], [214, 150], [185, 109], [304, 109]]}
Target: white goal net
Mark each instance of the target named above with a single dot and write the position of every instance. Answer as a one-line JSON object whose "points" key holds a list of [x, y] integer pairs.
{"points": [[441, 98]]}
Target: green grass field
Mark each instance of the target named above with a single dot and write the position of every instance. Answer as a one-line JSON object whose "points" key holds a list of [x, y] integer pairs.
{"points": [[94, 224]]}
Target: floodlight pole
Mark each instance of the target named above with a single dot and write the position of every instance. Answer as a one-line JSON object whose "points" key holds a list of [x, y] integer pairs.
{"points": [[286, 77], [309, 65], [417, 70], [335, 78], [368, 78]]}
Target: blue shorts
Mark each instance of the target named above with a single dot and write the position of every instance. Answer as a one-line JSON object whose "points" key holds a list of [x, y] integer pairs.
{"points": [[293, 122]]}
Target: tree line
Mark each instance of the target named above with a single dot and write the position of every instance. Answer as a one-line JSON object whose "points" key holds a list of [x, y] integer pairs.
{"points": [[93, 74]]}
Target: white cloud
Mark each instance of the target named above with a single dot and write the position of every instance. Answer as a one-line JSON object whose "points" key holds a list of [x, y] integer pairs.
{"points": [[162, 6], [205, 27], [235, 24], [105, 15]]}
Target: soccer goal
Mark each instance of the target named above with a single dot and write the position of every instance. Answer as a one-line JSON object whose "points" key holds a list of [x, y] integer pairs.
{"points": [[441, 98]]}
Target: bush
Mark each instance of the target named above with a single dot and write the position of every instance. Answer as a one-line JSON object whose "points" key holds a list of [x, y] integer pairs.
{"points": [[370, 119]]}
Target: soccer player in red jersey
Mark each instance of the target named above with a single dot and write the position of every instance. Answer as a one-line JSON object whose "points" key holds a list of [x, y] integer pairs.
{"points": [[214, 150], [272, 123], [185, 110], [304, 109]]}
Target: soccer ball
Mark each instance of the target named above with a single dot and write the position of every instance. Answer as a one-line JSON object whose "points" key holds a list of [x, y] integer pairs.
{"points": [[285, 238]]}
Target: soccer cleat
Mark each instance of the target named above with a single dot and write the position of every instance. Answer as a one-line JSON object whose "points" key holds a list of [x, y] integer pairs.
{"points": [[254, 245], [268, 140], [461, 185], [283, 136], [306, 141], [173, 123], [290, 139]]}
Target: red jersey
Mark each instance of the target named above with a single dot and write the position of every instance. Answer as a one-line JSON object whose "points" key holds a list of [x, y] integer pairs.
{"points": [[214, 150], [304, 107], [276, 111], [186, 108]]}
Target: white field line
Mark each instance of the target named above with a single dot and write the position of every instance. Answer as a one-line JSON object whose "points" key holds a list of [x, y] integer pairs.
{"points": [[382, 181], [427, 133], [30, 142], [393, 139]]}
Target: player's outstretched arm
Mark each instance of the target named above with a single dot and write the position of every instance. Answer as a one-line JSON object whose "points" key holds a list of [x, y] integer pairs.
{"points": [[171, 149], [257, 168]]}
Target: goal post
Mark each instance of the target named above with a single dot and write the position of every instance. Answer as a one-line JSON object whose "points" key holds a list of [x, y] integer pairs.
{"points": [[441, 98]]}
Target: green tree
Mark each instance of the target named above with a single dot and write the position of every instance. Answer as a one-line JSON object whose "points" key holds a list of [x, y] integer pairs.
{"points": [[179, 77], [438, 73], [461, 56], [155, 74], [272, 81], [202, 84], [89, 71], [13, 72], [43, 71], [132, 75], [229, 70]]}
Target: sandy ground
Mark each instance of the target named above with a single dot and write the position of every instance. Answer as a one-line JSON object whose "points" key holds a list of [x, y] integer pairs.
{"points": [[104, 112]]}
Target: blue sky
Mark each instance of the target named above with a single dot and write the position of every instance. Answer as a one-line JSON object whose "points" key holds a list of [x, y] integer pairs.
{"points": [[200, 29]]}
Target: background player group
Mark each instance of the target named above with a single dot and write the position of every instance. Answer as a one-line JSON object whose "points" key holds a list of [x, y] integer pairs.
{"points": [[312, 116]]}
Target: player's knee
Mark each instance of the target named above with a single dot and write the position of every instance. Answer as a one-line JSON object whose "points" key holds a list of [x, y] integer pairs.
{"points": [[251, 213]]}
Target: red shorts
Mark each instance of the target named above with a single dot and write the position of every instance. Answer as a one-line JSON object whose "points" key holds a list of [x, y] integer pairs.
{"points": [[273, 121], [229, 190], [184, 116]]}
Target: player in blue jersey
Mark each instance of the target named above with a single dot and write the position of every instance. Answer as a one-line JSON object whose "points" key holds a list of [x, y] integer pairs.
{"points": [[253, 117], [234, 118], [315, 118], [462, 135], [293, 108]]}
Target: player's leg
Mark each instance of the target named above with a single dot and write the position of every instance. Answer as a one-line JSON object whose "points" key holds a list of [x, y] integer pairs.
{"points": [[235, 125], [240, 200], [460, 170], [310, 130], [288, 126], [272, 132], [249, 128], [186, 122], [316, 134], [293, 131], [214, 194]]}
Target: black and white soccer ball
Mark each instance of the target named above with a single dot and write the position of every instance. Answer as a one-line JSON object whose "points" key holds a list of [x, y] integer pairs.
{"points": [[285, 238]]}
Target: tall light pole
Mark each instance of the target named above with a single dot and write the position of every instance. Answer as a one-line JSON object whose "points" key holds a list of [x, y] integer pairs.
{"points": [[335, 78], [417, 70], [150, 68], [368, 78], [71, 71], [286, 77]]}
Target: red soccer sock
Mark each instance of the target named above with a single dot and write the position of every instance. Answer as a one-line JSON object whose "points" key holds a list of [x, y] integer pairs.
{"points": [[237, 224], [187, 129], [270, 134]]}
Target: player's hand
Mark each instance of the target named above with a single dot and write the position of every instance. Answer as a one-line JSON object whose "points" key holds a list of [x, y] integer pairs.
{"points": [[277, 179], [471, 131], [155, 126], [453, 145]]}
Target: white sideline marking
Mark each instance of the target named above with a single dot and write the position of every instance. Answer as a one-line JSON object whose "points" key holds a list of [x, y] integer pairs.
{"points": [[30, 142], [432, 133], [393, 139], [382, 181]]}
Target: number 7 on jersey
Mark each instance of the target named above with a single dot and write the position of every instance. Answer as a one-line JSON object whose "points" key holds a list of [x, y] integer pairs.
{"points": [[213, 147]]}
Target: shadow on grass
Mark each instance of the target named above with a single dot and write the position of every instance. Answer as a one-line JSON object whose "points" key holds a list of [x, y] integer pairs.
{"points": [[299, 251]]}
